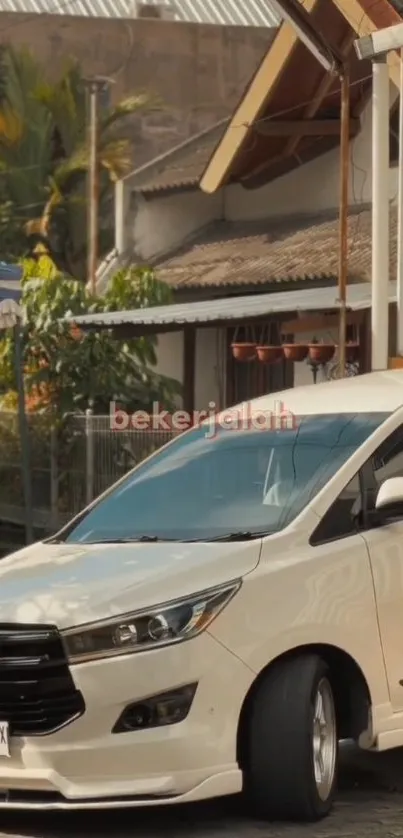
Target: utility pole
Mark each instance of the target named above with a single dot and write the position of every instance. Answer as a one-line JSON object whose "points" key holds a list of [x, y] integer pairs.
{"points": [[343, 216], [335, 64], [380, 214], [400, 221], [94, 86]]}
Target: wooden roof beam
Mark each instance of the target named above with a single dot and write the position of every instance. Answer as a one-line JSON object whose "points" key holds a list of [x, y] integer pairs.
{"points": [[304, 128], [247, 112], [355, 13], [324, 88]]}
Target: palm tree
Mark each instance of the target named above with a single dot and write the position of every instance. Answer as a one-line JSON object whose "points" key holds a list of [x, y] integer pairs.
{"points": [[44, 154]]}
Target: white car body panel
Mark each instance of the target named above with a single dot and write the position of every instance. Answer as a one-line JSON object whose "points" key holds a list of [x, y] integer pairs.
{"points": [[69, 584], [292, 594]]}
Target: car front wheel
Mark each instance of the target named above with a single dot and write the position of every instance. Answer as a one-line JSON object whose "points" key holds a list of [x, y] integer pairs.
{"points": [[292, 746]]}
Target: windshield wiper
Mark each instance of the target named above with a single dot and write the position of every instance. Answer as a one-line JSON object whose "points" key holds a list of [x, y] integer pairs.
{"points": [[135, 539], [241, 535]]}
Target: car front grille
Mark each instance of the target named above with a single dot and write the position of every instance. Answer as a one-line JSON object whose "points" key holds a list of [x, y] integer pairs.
{"points": [[37, 692]]}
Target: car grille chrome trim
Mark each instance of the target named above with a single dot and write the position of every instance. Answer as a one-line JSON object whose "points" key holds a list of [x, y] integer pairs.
{"points": [[37, 692]]}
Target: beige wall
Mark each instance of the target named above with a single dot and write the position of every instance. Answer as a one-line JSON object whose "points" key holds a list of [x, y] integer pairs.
{"points": [[211, 362], [209, 365], [154, 227], [198, 70]]}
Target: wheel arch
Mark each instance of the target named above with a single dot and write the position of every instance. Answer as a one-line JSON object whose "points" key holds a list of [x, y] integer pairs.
{"points": [[350, 688]]}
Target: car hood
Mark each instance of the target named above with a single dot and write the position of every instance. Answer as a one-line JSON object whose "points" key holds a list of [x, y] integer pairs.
{"points": [[70, 584]]}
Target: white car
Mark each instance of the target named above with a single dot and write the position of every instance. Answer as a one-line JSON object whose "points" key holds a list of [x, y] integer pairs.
{"points": [[218, 619]]}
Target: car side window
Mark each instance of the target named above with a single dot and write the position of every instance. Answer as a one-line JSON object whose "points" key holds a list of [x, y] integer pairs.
{"points": [[342, 519], [388, 459], [345, 516]]}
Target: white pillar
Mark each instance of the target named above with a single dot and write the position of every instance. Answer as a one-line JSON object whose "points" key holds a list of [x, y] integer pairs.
{"points": [[120, 216], [380, 215], [400, 222]]}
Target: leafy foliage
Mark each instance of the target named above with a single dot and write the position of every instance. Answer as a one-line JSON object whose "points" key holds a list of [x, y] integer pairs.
{"points": [[44, 157], [68, 371], [12, 237]]}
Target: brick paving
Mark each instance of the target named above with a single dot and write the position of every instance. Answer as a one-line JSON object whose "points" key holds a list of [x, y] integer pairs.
{"points": [[369, 805]]}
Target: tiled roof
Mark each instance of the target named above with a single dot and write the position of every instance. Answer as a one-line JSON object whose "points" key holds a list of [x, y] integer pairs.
{"points": [[227, 12], [180, 167], [286, 249]]}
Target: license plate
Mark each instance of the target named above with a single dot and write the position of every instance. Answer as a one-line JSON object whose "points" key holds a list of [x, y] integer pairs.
{"points": [[4, 740]]}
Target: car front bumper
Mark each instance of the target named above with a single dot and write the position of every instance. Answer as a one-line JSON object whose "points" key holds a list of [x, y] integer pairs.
{"points": [[85, 766]]}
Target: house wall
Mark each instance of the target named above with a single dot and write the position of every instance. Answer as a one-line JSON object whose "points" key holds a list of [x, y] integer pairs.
{"points": [[154, 227], [209, 365], [199, 71], [168, 221], [313, 187]]}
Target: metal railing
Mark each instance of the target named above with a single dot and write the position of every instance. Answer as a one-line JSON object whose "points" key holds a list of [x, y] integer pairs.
{"points": [[70, 466]]}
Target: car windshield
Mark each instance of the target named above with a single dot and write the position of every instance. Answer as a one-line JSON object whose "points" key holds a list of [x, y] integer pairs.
{"points": [[202, 488]]}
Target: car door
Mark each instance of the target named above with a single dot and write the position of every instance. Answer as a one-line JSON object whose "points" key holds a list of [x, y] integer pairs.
{"points": [[385, 546]]}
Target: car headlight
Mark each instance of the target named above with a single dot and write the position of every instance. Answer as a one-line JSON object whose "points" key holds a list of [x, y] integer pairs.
{"points": [[169, 623]]}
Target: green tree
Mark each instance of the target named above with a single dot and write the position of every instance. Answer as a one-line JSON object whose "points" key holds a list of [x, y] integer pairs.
{"points": [[66, 372], [44, 158]]}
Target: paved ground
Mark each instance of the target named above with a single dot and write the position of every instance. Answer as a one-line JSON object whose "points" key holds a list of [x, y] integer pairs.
{"points": [[370, 805]]}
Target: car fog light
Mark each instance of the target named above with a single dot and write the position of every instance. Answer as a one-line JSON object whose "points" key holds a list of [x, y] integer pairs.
{"points": [[164, 709]]}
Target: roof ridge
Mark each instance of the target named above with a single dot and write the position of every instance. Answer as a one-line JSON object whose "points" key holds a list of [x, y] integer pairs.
{"points": [[153, 167]]}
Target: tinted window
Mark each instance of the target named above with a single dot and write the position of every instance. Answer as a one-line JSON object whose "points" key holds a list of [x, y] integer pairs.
{"points": [[388, 460], [201, 488], [342, 519]]}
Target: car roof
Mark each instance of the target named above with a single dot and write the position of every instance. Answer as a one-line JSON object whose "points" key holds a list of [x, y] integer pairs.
{"points": [[374, 392]]}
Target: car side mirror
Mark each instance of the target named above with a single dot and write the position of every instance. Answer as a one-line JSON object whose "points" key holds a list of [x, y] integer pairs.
{"points": [[389, 500]]}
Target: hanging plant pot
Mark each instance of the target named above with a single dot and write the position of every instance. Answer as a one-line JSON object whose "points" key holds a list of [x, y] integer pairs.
{"points": [[269, 354], [295, 351], [352, 351], [321, 353], [244, 351]]}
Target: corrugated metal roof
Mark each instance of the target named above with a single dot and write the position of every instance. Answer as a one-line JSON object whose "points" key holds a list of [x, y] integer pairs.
{"points": [[10, 281], [235, 308], [227, 12], [10, 290], [14, 272]]}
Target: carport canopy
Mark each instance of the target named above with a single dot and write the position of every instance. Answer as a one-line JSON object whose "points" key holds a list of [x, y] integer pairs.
{"points": [[254, 308], [224, 311]]}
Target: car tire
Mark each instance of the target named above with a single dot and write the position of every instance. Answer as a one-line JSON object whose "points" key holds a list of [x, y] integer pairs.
{"points": [[292, 744]]}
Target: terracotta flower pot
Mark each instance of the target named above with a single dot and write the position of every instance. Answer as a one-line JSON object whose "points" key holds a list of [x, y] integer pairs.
{"points": [[321, 353], [352, 351], [270, 354], [295, 351], [244, 351]]}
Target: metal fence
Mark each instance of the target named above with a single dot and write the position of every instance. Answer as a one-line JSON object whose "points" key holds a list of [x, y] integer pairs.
{"points": [[70, 465]]}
